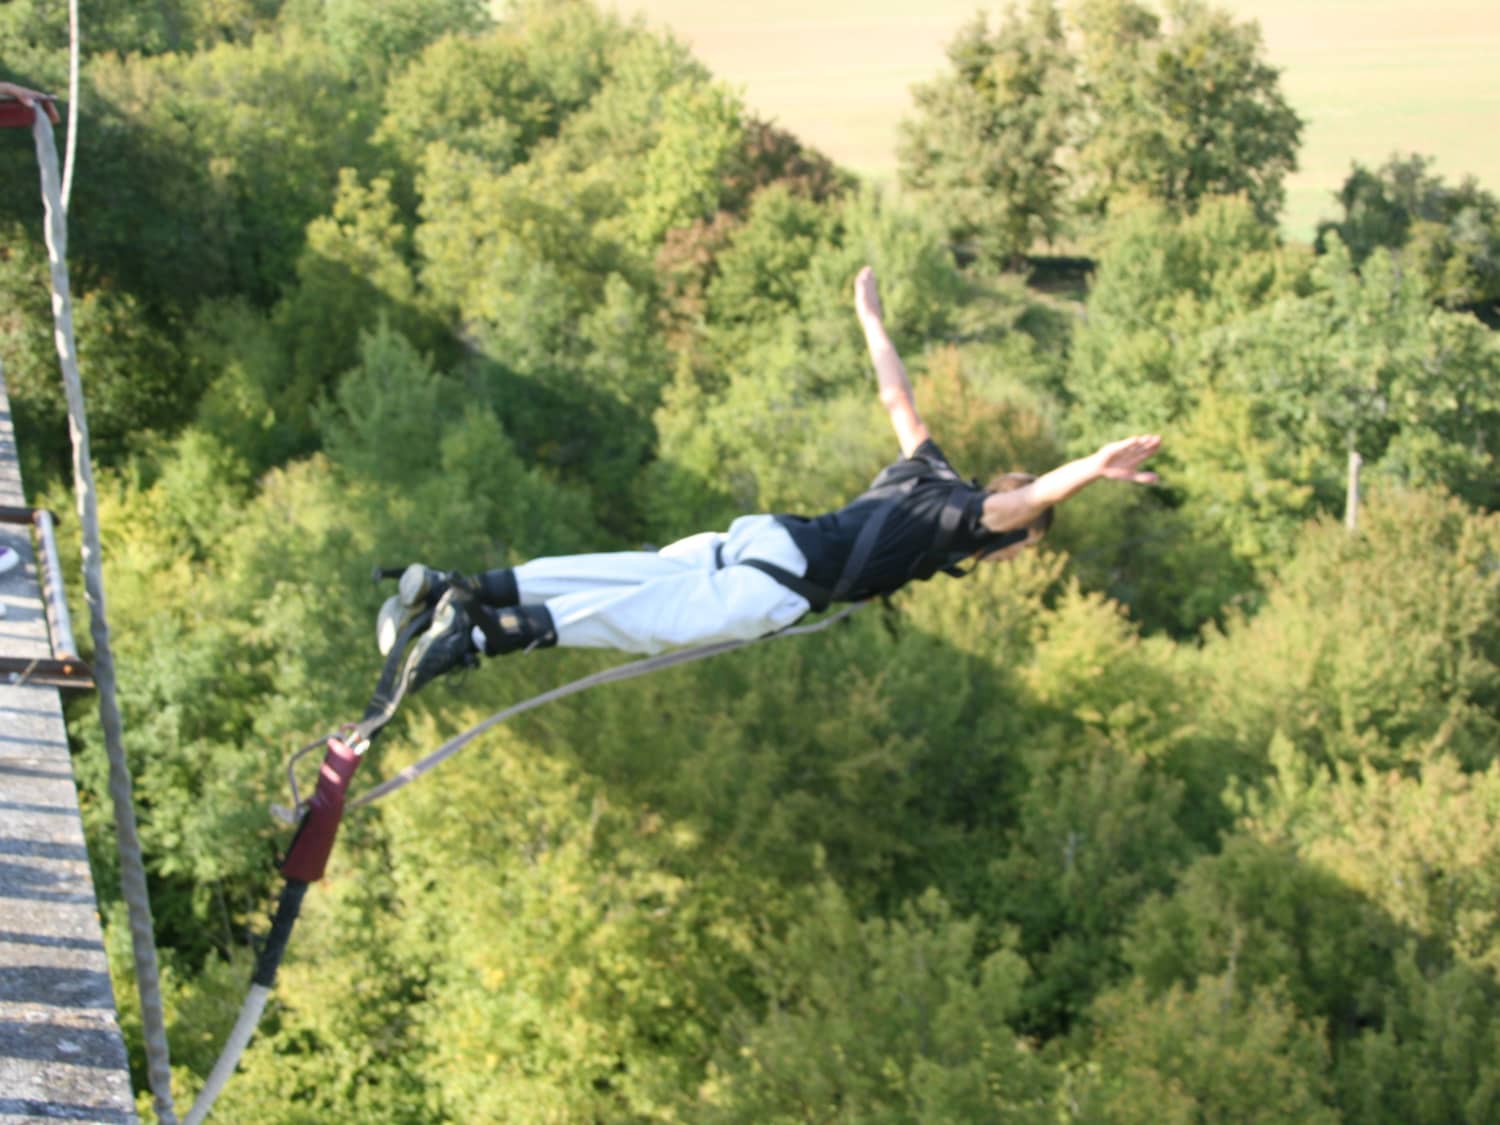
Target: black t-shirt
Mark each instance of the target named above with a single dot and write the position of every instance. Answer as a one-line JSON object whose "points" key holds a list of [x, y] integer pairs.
{"points": [[908, 533]]}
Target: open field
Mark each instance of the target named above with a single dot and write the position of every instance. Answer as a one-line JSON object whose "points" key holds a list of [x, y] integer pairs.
{"points": [[1369, 77]]}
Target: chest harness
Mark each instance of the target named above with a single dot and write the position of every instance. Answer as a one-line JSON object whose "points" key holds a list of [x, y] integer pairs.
{"points": [[890, 489]]}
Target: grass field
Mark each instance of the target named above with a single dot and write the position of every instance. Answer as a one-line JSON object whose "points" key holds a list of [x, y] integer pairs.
{"points": [[1369, 77]]}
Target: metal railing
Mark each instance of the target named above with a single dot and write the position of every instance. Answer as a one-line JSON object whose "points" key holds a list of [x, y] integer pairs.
{"points": [[64, 668]]}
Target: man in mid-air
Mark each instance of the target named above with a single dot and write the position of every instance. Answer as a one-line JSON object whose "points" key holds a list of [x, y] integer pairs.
{"points": [[918, 517]]}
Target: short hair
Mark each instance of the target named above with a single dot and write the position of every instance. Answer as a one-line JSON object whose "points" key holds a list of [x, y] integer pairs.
{"points": [[1009, 482]]}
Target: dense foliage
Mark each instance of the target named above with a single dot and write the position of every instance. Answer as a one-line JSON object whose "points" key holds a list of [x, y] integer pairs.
{"points": [[1044, 124], [1190, 817], [1449, 235]]}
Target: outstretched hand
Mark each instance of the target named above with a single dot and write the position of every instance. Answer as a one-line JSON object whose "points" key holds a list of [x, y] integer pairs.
{"points": [[867, 296], [1122, 460]]}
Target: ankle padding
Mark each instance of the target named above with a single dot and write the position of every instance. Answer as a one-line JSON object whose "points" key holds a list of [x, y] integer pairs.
{"points": [[516, 628], [498, 588]]}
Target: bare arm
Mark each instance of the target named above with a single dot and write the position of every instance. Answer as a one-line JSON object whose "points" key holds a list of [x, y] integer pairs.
{"points": [[890, 372], [1119, 460]]}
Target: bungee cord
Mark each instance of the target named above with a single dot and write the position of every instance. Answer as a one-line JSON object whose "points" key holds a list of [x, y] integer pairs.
{"points": [[132, 866], [318, 818], [71, 145], [607, 676]]}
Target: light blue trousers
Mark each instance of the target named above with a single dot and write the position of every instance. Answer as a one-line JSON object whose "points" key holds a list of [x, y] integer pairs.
{"points": [[647, 601]]}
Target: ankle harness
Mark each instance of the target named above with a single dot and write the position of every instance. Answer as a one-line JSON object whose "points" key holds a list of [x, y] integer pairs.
{"points": [[514, 628]]}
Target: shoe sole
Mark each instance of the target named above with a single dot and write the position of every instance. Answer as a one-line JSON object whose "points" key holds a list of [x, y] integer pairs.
{"points": [[415, 588], [389, 622], [417, 584]]}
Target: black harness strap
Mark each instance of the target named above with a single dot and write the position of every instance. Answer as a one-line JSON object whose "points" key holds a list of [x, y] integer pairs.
{"points": [[937, 557], [954, 513], [932, 560], [864, 546], [816, 596]]}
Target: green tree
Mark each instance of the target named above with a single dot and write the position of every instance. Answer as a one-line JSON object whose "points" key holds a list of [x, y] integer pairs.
{"points": [[262, 130], [137, 382], [380, 33], [1417, 844], [1181, 115], [497, 94], [1204, 1052], [1450, 235], [1365, 363], [701, 133], [1433, 1059], [1163, 283], [1376, 646], [33, 378], [1099, 815], [687, 260], [1269, 366], [1262, 917], [900, 1020], [986, 146], [354, 272], [1167, 293], [1414, 842], [583, 948], [550, 267], [34, 30], [342, 1040]]}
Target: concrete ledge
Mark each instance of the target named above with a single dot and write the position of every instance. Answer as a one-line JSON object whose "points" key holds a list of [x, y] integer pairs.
{"points": [[62, 1057]]}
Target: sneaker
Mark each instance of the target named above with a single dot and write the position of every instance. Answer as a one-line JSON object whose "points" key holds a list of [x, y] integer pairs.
{"points": [[10, 558], [419, 588], [421, 585], [446, 645]]}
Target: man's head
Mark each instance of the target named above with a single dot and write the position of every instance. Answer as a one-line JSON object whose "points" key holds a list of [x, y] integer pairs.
{"points": [[1009, 482]]}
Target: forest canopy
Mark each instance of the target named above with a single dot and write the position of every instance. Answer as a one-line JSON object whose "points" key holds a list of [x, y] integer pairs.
{"points": [[1190, 816]]}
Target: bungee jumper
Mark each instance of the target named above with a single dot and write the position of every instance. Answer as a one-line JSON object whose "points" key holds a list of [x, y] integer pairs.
{"points": [[919, 517], [714, 591]]}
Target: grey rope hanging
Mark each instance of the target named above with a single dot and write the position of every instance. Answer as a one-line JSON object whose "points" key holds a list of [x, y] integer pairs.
{"points": [[132, 867]]}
